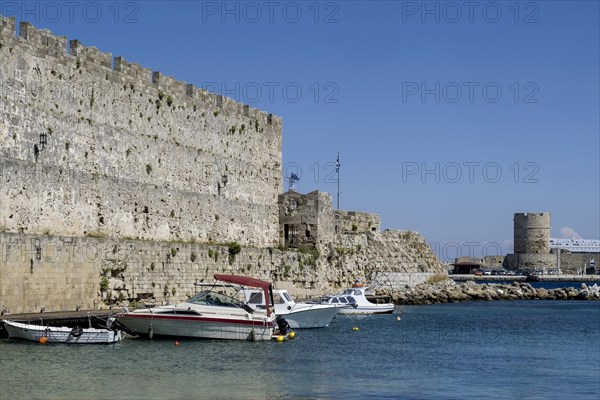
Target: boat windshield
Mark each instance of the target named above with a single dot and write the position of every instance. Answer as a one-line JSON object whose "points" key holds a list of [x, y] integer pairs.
{"points": [[211, 298]]}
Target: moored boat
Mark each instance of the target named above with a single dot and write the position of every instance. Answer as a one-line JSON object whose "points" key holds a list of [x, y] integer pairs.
{"points": [[62, 334], [360, 300], [298, 314], [209, 314]]}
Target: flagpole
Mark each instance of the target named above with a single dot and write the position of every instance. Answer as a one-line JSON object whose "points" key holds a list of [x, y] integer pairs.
{"points": [[337, 169]]}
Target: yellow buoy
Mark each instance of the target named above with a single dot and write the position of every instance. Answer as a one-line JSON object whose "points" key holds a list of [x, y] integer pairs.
{"points": [[279, 339], [43, 339], [292, 335], [355, 328]]}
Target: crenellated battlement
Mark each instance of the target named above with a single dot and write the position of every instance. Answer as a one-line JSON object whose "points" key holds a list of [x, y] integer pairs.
{"points": [[8, 26], [132, 70], [91, 58], [43, 38], [90, 55]]}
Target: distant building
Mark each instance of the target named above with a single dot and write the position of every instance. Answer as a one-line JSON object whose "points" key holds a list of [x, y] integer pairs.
{"points": [[467, 265], [576, 245]]}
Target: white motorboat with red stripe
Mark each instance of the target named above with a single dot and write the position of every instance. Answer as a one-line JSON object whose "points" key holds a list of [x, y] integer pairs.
{"points": [[211, 314]]}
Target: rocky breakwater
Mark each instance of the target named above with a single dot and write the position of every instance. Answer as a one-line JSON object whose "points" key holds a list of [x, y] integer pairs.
{"points": [[448, 291]]}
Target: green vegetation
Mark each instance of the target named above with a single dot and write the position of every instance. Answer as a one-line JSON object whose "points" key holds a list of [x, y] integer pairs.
{"points": [[135, 304], [148, 169], [213, 254], [193, 257], [104, 284], [92, 99], [437, 278], [173, 251], [234, 248], [312, 260]]}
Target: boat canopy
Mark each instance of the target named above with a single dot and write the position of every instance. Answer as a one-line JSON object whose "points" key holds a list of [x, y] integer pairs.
{"points": [[247, 281]]}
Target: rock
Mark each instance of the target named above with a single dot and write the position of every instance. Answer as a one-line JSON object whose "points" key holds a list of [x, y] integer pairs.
{"points": [[582, 295], [541, 293], [456, 296], [115, 284]]}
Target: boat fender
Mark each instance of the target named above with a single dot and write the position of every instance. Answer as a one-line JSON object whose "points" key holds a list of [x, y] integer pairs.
{"points": [[289, 307], [77, 331]]}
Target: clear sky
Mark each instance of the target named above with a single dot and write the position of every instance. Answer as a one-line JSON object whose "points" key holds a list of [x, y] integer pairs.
{"points": [[449, 116]]}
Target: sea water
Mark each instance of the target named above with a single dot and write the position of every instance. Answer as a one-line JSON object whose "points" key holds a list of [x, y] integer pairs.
{"points": [[474, 350]]}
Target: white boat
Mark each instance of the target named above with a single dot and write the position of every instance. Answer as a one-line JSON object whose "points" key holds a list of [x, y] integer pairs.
{"points": [[360, 300], [210, 314], [62, 334], [297, 314]]}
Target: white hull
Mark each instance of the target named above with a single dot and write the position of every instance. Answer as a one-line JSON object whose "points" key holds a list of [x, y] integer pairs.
{"points": [[197, 327], [61, 334], [311, 317], [298, 315], [366, 309], [355, 301]]}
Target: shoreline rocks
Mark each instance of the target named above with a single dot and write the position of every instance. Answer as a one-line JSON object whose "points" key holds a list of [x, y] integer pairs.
{"points": [[449, 291]]}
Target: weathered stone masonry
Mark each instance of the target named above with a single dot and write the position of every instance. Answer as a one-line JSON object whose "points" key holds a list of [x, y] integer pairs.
{"points": [[130, 153]]}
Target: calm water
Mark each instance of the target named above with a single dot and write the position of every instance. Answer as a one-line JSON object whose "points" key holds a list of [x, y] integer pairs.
{"points": [[500, 350]]}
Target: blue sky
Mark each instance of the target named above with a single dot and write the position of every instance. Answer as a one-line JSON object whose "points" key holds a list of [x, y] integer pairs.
{"points": [[449, 116]]}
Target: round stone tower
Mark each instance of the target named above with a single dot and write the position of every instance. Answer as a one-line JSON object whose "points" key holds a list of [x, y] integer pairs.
{"points": [[532, 240]]}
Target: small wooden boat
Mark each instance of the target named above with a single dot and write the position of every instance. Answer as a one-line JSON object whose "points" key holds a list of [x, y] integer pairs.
{"points": [[62, 334]]}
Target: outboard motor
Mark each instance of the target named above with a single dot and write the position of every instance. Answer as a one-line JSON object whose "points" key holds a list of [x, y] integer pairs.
{"points": [[283, 325]]}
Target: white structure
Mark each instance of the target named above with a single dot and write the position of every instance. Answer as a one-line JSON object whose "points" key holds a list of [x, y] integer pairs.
{"points": [[576, 245]]}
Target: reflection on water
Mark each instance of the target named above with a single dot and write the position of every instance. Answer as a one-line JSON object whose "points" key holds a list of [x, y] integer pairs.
{"points": [[518, 349]]}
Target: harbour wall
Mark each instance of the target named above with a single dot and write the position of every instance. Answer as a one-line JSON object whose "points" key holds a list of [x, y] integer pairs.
{"points": [[61, 273]]}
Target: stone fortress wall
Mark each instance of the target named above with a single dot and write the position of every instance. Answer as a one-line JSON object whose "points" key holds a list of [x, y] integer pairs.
{"points": [[130, 153], [357, 221], [119, 185]]}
